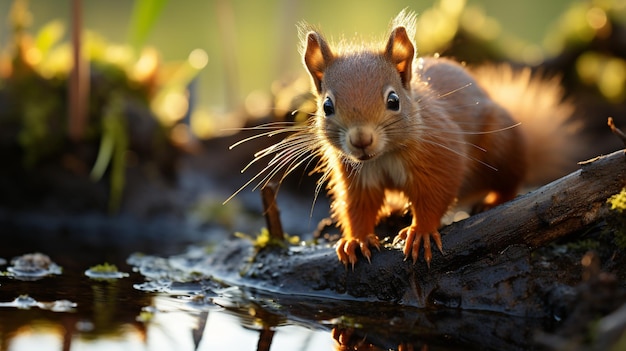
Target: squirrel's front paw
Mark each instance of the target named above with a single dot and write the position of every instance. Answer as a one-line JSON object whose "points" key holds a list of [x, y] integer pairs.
{"points": [[413, 239], [346, 248]]}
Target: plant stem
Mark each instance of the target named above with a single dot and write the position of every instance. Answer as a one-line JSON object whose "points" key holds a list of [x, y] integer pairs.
{"points": [[79, 80]]}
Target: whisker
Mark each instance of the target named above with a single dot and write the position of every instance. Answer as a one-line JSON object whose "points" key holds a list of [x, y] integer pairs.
{"points": [[293, 152], [290, 142], [296, 163], [323, 168], [480, 124], [455, 90], [432, 142], [268, 134], [462, 132], [245, 185], [389, 123], [288, 154], [288, 165], [269, 125], [318, 186], [461, 142], [397, 132], [433, 95], [479, 148], [266, 177]]}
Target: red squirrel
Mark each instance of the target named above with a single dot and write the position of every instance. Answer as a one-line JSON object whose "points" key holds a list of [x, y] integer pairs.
{"points": [[425, 130]]}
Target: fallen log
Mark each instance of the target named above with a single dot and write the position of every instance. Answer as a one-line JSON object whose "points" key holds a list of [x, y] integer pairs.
{"points": [[564, 206], [486, 266]]}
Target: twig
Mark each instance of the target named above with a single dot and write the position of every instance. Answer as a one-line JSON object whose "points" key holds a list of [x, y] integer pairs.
{"points": [[271, 212], [265, 339], [616, 130]]}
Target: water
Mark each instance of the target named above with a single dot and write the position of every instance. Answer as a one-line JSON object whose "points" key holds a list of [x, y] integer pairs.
{"points": [[62, 308]]}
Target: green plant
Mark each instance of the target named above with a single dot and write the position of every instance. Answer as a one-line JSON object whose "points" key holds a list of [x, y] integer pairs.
{"points": [[34, 77], [618, 221]]}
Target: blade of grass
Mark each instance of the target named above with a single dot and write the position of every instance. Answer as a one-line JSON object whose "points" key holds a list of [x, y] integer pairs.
{"points": [[112, 152], [144, 16], [103, 159]]}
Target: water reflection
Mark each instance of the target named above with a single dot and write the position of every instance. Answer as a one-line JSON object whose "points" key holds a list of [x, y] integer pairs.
{"points": [[44, 336], [172, 303], [172, 327], [113, 315], [26, 302]]}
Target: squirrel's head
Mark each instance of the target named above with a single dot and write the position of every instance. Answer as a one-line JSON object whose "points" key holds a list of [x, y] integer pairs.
{"points": [[361, 89]]}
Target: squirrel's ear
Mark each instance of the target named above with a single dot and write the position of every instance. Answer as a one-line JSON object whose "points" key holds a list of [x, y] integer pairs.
{"points": [[400, 52], [317, 57]]}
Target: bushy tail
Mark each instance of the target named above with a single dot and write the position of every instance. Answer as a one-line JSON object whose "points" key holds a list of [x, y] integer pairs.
{"points": [[546, 119]]}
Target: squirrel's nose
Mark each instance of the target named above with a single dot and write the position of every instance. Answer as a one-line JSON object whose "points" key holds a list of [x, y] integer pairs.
{"points": [[361, 139]]}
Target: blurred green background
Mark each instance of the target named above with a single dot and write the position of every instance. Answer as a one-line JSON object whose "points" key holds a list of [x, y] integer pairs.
{"points": [[251, 44]]}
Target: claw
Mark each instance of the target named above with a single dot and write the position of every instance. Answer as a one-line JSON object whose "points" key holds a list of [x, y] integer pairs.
{"points": [[346, 249], [365, 251], [346, 252], [437, 237], [415, 247], [428, 255], [414, 239]]}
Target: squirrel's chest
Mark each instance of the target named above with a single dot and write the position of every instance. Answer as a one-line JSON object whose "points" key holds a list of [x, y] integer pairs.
{"points": [[384, 172]]}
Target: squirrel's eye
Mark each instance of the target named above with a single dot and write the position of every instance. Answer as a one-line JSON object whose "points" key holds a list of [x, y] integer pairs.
{"points": [[393, 101], [329, 107]]}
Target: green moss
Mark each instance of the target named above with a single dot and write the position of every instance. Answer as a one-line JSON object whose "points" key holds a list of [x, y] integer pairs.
{"points": [[104, 268], [618, 221], [618, 201], [264, 239]]}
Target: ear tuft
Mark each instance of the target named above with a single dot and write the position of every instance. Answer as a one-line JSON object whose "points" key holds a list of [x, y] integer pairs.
{"points": [[406, 19]]}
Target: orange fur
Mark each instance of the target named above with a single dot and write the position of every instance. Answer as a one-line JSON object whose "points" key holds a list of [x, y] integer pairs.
{"points": [[424, 129], [391, 128]]}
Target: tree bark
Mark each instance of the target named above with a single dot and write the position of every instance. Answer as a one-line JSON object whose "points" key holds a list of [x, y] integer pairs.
{"points": [[486, 263], [564, 206]]}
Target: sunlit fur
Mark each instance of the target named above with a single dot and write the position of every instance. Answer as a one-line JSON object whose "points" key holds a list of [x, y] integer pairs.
{"points": [[448, 139]]}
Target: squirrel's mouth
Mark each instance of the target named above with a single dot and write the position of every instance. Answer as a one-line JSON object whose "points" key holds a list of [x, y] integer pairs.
{"points": [[362, 155], [365, 157]]}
